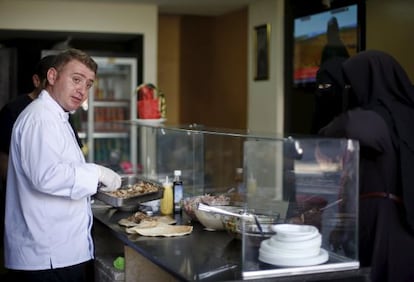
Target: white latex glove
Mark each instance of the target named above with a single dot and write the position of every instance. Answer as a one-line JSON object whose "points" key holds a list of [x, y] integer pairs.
{"points": [[110, 179]]}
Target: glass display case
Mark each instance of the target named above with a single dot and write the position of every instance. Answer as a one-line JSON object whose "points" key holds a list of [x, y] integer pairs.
{"points": [[308, 186], [312, 183]]}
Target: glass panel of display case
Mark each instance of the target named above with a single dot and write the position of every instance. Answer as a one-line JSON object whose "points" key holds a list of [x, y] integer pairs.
{"points": [[309, 187], [208, 160]]}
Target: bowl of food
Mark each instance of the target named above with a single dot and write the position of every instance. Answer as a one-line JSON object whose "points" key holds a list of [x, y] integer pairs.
{"points": [[214, 221], [189, 205], [237, 227]]}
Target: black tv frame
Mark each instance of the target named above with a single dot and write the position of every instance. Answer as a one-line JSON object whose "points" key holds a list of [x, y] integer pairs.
{"points": [[335, 5], [295, 96]]}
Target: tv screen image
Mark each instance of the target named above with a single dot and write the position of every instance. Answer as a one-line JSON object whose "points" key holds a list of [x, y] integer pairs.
{"points": [[311, 40]]}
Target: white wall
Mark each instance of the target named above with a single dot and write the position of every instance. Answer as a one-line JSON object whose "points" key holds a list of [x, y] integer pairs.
{"points": [[87, 16], [266, 97]]}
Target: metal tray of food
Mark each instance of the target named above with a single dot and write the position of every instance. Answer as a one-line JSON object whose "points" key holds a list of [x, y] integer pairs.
{"points": [[134, 190]]}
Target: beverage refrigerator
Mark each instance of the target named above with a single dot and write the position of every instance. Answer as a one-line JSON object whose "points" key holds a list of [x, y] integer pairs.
{"points": [[111, 99]]}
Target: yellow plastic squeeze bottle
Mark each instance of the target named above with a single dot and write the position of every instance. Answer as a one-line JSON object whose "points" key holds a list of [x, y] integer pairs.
{"points": [[167, 202]]}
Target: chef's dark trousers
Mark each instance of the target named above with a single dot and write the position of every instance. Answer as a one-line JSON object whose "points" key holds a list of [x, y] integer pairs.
{"points": [[83, 272]]}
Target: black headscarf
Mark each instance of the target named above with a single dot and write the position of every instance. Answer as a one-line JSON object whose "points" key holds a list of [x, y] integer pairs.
{"points": [[328, 97], [378, 82]]}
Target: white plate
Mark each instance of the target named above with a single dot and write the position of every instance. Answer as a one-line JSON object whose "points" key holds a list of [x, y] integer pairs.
{"points": [[294, 232], [315, 241], [281, 254], [150, 121], [322, 257], [267, 249]]}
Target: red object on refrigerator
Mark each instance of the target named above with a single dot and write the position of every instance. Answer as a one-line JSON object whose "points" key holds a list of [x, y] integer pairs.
{"points": [[149, 109]]}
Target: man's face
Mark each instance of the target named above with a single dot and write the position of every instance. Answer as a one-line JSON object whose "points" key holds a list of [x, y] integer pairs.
{"points": [[70, 86]]}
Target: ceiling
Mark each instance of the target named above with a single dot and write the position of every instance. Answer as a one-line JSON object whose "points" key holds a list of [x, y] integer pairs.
{"points": [[191, 7], [212, 7]]}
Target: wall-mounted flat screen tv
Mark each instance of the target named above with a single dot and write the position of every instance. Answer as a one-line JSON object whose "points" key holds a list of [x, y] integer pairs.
{"points": [[336, 30]]}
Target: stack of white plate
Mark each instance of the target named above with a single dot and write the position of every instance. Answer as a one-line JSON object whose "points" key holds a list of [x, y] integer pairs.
{"points": [[293, 245]]}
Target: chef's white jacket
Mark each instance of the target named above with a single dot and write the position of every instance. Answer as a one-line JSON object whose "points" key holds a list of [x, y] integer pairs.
{"points": [[48, 213]]}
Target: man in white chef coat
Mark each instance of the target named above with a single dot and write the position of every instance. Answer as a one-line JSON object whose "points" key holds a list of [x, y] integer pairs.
{"points": [[48, 210]]}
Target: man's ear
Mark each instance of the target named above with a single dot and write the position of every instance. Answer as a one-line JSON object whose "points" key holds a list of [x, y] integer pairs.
{"points": [[52, 76], [36, 81]]}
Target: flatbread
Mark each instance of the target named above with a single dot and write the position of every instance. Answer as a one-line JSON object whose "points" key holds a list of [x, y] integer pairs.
{"points": [[162, 229], [138, 217], [127, 223], [165, 219], [143, 224], [134, 219]]}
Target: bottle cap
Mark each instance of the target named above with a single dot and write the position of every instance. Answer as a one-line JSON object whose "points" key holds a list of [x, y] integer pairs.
{"points": [[167, 181], [177, 172]]}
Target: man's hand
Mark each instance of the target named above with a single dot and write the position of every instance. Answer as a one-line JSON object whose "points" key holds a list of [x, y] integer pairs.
{"points": [[110, 179]]}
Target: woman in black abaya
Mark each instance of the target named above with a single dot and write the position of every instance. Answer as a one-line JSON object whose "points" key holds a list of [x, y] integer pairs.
{"points": [[380, 115]]}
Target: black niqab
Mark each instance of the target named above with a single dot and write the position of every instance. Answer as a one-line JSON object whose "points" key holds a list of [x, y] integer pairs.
{"points": [[328, 99]]}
